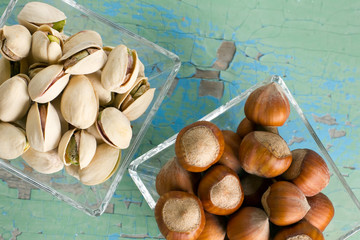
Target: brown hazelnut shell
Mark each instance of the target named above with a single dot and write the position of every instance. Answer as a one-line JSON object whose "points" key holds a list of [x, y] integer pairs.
{"points": [[230, 157], [173, 177], [246, 126], [308, 171], [248, 223], [211, 183], [215, 227], [185, 212], [264, 154], [321, 212], [197, 140], [254, 187], [302, 228], [267, 106], [284, 203]]}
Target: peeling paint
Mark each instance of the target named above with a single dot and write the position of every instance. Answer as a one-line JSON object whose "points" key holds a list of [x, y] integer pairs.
{"points": [[295, 139], [206, 74], [224, 55], [336, 133], [349, 167], [110, 208], [211, 88], [326, 119], [135, 236], [15, 233], [328, 146], [128, 203]]}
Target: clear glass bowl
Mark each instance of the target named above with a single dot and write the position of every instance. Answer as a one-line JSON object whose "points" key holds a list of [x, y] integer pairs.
{"points": [[346, 221], [161, 67]]}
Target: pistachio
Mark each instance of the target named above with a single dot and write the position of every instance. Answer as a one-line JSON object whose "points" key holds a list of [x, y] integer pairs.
{"points": [[79, 103], [43, 127], [35, 14], [77, 147], [14, 98], [48, 83], [102, 166], [82, 36], [13, 141], [138, 98], [35, 68], [15, 42], [114, 127], [43, 162], [106, 97], [121, 69]]}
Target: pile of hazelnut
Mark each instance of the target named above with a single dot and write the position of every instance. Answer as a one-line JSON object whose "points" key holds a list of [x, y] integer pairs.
{"points": [[245, 184]]}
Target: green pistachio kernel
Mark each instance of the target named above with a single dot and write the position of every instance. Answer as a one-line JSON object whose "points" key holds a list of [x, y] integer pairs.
{"points": [[72, 153], [59, 26], [52, 38]]}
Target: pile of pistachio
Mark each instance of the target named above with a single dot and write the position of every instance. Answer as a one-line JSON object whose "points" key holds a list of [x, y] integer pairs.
{"points": [[67, 101]]}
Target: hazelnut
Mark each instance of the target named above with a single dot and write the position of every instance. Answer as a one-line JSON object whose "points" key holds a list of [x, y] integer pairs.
{"points": [[321, 211], [267, 106], [199, 145], [254, 187], [247, 224], [284, 203], [215, 228], [308, 171], [230, 157], [264, 154], [302, 230], [220, 191], [179, 215], [246, 126], [173, 177]]}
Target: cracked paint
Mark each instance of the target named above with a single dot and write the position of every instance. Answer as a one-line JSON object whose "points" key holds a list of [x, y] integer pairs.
{"points": [[211, 88], [326, 119], [295, 139], [224, 55], [336, 133]]}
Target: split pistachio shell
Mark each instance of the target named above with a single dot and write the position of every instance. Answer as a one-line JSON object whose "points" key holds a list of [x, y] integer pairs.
{"points": [[48, 83], [77, 147], [73, 170], [93, 131], [141, 69], [79, 103], [46, 45], [35, 68], [13, 141], [108, 49], [80, 37], [35, 14], [121, 69], [15, 42], [14, 98], [105, 96], [9, 69], [5, 70], [43, 127], [64, 124], [102, 166], [43, 162], [84, 58], [136, 100], [114, 127]]}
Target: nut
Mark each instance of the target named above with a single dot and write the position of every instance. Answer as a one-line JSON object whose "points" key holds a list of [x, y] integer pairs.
{"points": [[321, 211], [264, 154], [230, 157], [220, 191], [249, 223], [173, 177], [180, 215], [254, 187], [199, 145], [300, 231], [308, 171], [284, 203], [215, 228], [267, 106]]}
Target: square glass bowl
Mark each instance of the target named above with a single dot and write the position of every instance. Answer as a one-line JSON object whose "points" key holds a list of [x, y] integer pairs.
{"points": [[346, 221], [161, 67]]}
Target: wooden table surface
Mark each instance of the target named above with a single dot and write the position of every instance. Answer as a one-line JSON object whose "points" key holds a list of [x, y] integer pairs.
{"points": [[223, 45]]}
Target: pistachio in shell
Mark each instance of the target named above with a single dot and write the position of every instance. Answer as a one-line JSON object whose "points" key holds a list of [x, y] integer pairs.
{"points": [[136, 100], [121, 69], [47, 84], [93, 131], [14, 98], [43, 162], [106, 97], [46, 45], [80, 37], [35, 68], [84, 58], [73, 170], [15, 42], [43, 127], [114, 127], [35, 14], [77, 147], [13, 141], [9, 69], [79, 104], [103, 165]]}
